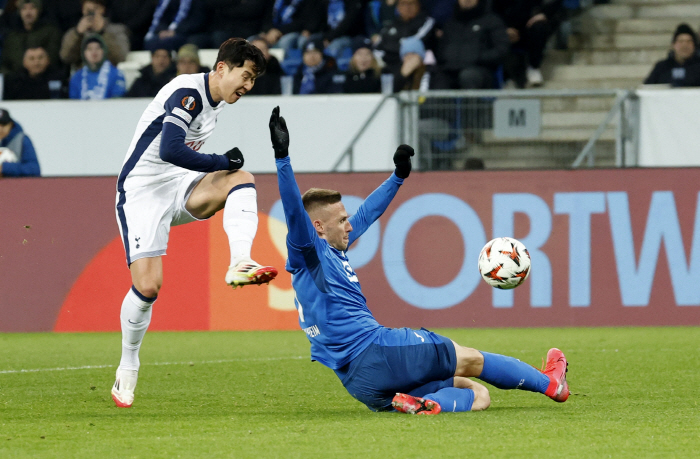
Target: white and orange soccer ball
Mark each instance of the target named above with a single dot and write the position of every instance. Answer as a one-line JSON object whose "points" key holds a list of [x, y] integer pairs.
{"points": [[504, 263]]}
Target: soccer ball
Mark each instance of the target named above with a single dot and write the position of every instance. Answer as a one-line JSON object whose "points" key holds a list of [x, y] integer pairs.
{"points": [[504, 263]]}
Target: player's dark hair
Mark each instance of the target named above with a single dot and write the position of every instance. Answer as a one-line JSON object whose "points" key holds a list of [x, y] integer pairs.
{"points": [[317, 197], [235, 51]]}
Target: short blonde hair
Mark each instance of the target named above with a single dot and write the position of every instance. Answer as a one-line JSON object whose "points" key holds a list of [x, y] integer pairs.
{"points": [[315, 198]]}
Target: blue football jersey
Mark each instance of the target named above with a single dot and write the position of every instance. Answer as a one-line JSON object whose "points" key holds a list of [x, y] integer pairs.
{"points": [[332, 310]]}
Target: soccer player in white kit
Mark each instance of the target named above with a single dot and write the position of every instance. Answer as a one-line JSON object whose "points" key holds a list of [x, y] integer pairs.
{"points": [[165, 182]]}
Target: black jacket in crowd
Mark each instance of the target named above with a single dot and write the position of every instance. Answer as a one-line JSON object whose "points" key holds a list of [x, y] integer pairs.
{"points": [[48, 85], [515, 14], [148, 84], [242, 18], [421, 27], [668, 71], [362, 82], [474, 37]]}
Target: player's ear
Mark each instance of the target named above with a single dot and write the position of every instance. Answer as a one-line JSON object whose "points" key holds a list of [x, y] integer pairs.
{"points": [[318, 226]]}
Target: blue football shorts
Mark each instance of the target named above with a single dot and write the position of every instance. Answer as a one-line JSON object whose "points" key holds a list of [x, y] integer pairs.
{"points": [[415, 362]]}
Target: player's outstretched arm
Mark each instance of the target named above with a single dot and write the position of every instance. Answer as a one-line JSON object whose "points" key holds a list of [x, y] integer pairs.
{"points": [[301, 231], [376, 203]]}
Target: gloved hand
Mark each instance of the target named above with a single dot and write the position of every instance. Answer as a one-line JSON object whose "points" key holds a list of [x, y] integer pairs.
{"points": [[279, 134], [402, 161], [235, 159]]}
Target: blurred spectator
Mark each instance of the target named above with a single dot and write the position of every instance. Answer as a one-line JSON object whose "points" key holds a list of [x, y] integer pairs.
{"points": [[173, 21], [380, 13], [17, 154], [29, 31], [36, 80], [155, 75], [93, 21], [188, 60], [470, 48], [336, 22], [364, 73], [682, 66], [440, 10], [136, 15], [318, 73], [98, 79], [287, 23], [529, 23], [64, 13], [230, 18], [269, 82], [402, 44]]}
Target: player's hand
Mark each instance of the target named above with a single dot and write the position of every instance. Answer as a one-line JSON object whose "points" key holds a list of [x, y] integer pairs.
{"points": [[279, 134], [235, 159], [402, 161]]}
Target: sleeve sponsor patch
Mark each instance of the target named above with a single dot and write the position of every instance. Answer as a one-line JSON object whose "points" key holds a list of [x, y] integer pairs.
{"points": [[182, 114], [189, 103]]}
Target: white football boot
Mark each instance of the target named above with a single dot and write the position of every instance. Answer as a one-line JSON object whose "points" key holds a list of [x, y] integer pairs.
{"points": [[124, 386], [249, 272]]}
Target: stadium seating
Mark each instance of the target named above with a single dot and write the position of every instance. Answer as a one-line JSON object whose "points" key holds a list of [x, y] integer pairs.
{"points": [[291, 61]]}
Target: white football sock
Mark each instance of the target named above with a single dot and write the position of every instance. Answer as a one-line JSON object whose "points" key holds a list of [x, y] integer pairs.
{"points": [[135, 318], [241, 222]]}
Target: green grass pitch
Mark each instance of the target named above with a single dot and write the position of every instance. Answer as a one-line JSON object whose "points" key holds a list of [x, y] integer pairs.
{"points": [[256, 394]]}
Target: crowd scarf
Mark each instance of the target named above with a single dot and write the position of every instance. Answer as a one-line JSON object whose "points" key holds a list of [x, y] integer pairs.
{"points": [[336, 13], [98, 91], [308, 80], [282, 13]]}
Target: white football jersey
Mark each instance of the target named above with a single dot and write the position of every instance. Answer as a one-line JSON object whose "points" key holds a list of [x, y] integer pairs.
{"points": [[185, 102]]}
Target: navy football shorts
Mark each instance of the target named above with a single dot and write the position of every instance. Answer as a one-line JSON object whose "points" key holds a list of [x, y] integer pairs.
{"points": [[416, 362]]}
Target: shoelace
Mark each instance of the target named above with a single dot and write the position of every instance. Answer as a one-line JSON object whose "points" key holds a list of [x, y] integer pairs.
{"points": [[550, 366]]}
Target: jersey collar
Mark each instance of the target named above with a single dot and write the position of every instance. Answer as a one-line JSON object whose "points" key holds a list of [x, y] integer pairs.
{"points": [[208, 92]]}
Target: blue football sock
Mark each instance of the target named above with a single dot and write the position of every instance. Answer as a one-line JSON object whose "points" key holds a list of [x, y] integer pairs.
{"points": [[452, 399], [509, 373]]}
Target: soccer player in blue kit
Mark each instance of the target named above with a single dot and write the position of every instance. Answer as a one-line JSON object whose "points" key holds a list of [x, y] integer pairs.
{"points": [[411, 371], [165, 181]]}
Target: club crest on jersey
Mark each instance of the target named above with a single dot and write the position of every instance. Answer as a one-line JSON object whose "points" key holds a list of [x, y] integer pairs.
{"points": [[189, 103]]}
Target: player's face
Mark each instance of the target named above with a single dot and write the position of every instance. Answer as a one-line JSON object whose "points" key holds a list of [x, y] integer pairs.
{"points": [[236, 81], [335, 226]]}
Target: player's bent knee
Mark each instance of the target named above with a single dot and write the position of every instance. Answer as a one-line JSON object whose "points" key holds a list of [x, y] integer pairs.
{"points": [[482, 398], [149, 288], [470, 362], [239, 177]]}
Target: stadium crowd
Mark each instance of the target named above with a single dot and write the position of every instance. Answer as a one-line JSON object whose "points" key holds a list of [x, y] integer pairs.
{"points": [[73, 48]]}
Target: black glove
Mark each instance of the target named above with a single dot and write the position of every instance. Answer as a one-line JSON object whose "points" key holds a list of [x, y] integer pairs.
{"points": [[402, 161], [279, 134], [235, 159]]}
